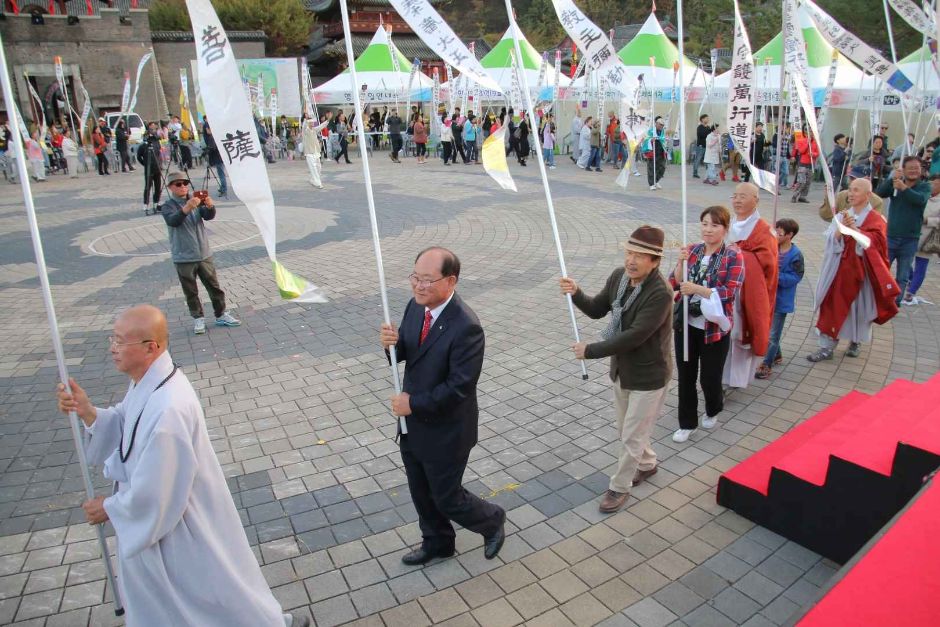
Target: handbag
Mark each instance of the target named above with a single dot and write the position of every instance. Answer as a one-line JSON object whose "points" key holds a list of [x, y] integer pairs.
{"points": [[931, 245]]}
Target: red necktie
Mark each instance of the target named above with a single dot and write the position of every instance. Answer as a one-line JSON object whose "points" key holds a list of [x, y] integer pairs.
{"points": [[427, 326]]}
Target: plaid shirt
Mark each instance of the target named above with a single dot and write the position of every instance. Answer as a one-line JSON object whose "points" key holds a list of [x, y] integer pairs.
{"points": [[726, 281]]}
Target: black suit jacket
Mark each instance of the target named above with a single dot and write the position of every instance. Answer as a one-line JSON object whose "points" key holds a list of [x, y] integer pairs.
{"points": [[441, 378]]}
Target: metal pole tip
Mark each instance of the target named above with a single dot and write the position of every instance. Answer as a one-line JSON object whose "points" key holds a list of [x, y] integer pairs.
{"points": [[584, 377], [119, 611]]}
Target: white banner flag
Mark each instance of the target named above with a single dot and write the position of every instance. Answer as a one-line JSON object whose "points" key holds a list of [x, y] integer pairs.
{"points": [[39, 108], [415, 67], [515, 89], [186, 114], [741, 107], [305, 91], [913, 15], [140, 69], [794, 48], [234, 132], [830, 84], [855, 49], [557, 81], [434, 31], [451, 89], [86, 110], [599, 52]]}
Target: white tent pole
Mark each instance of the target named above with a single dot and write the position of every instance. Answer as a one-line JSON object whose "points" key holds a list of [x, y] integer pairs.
{"points": [[376, 245], [50, 314], [533, 127]]}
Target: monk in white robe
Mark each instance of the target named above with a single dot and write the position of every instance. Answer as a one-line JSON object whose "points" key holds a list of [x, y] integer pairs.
{"points": [[183, 556], [312, 148]]}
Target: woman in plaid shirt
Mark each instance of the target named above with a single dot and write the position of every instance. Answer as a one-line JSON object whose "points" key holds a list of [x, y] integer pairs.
{"points": [[715, 272]]}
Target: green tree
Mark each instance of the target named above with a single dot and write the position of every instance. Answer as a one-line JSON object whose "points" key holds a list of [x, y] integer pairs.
{"points": [[286, 23]]}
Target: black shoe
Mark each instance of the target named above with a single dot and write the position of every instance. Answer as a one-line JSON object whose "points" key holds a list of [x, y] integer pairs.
{"points": [[493, 543], [696, 176], [422, 556], [803, 200]]}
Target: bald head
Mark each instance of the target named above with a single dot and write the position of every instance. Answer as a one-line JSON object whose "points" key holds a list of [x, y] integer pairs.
{"points": [[140, 338], [744, 200], [859, 192], [145, 322]]}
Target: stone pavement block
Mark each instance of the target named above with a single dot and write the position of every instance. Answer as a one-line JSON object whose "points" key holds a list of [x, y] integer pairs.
{"points": [[649, 613], [334, 611], [791, 552], [748, 550], [409, 614], [574, 549], [644, 579], [39, 604], [801, 592], [325, 586], [443, 605], [479, 591], [525, 516], [779, 571], [735, 605], [512, 577], [349, 553], [694, 549], [593, 571], [600, 536], [552, 618], [727, 566], [498, 613], [291, 596], [445, 573], [759, 588], [531, 601], [12, 585], [373, 599], [312, 564], [363, 574], [543, 563], [671, 564], [585, 609], [647, 543], [678, 598], [82, 595], [781, 610], [707, 616], [46, 579], [563, 586]]}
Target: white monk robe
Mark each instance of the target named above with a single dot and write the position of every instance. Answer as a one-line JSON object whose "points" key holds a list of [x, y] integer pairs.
{"points": [[312, 148], [740, 363], [183, 555]]}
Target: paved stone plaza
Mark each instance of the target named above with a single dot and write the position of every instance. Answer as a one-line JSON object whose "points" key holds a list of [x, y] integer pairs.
{"points": [[296, 404]]}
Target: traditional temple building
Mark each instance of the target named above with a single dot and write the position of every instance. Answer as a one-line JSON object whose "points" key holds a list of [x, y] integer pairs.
{"points": [[327, 54]]}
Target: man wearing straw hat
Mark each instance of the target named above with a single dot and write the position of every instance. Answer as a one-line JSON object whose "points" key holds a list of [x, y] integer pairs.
{"points": [[638, 340]]}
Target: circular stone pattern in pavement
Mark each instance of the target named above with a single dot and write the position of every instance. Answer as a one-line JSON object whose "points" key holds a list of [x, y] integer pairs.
{"points": [[150, 240]]}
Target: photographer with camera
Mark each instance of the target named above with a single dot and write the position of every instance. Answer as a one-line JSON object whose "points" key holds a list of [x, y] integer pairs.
{"points": [[185, 215], [148, 155], [715, 272], [179, 138]]}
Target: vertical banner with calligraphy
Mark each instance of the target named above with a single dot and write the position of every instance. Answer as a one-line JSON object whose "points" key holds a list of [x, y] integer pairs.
{"points": [[234, 132], [918, 19], [599, 52], [557, 82], [855, 49], [86, 110], [451, 89], [140, 69], [305, 90], [415, 68], [435, 100], [827, 98], [434, 31], [515, 89], [741, 111], [794, 49], [468, 100]]}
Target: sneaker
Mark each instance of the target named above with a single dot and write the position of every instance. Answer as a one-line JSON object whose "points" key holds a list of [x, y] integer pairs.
{"points": [[820, 355], [637, 174], [598, 170], [659, 185], [763, 372], [551, 167], [146, 210], [696, 176], [227, 320], [909, 299], [778, 360], [682, 435], [709, 423], [853, 350], [200, 326], [652, 188]]}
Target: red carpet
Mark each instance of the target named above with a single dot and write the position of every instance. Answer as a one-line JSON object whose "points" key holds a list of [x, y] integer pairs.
{"points": [[897, 582]]}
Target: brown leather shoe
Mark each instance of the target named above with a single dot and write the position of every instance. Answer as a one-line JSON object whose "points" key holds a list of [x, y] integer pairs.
{"points": [[643, 475], [612, 501]]}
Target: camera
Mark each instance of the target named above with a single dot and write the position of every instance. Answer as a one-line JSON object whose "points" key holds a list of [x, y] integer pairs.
{"points": [[202, 195]]}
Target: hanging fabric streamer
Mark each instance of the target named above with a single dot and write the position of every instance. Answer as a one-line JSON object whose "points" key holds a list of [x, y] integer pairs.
{"points": [[451, 89], [855, 49], [827, 98], [234, 130], [494, 159], [439, 37], [140, 68], [741, 108]]}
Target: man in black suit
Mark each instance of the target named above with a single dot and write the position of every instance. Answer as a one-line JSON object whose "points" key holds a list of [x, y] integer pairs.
{"points": [[441, 343]]}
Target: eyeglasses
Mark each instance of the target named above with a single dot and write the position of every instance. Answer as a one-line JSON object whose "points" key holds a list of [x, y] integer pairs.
{"points": [[423, 283], [734, 196], [114, 342], [179, 184]]}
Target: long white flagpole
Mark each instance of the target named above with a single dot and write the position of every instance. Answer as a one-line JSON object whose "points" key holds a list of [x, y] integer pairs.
{"points": [[684, 174], [533, 126], [50, 314], [364, 156], [894, 59]]}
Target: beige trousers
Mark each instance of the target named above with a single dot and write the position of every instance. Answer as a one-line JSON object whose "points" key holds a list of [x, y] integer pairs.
{"points": [[636, 416]]}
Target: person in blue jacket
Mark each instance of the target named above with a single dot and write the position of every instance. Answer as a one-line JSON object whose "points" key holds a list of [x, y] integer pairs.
{"points": [[792, 268]]}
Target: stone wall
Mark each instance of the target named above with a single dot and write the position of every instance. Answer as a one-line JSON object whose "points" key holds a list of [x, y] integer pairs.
{"points": [[95, 52], [173, 55]]}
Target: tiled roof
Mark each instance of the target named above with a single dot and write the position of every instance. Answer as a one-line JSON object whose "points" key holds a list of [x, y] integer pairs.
{"points": [[233, 35]]}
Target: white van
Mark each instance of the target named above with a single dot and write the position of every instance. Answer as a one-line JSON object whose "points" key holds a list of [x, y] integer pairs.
{"points": [[134, 123]]}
